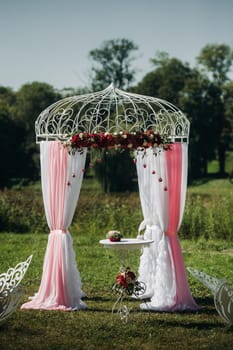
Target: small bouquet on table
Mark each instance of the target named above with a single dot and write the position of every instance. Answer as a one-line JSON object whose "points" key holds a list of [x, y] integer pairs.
{"points": [[114, 236]]}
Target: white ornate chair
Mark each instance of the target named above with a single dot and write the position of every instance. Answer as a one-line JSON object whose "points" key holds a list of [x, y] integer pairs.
{"points": [[223, 293], [11, 291]]}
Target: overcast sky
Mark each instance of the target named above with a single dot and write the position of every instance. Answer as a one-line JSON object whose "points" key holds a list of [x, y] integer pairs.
{"points": [[49, 40]]}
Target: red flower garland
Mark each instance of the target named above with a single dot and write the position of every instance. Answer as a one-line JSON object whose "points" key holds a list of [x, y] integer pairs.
{"points": [[122, 140]]}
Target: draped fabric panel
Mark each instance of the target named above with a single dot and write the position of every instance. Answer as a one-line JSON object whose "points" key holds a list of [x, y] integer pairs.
{"points": [[162, 180], [156, 268], [61, 177], [176, 160]]}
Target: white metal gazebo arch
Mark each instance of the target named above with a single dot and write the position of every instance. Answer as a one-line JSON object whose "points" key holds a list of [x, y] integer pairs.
{"points": [[162, 189], [111, 110]]}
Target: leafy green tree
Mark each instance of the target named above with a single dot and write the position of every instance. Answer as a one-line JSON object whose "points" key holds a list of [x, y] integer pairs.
{"points": [[116, 171], [217, 59], [13, 157], [200, 98], [7, 98], [228, 107], [70, 91], [167, 80], [31, 100], [112, 64], [11, 141], [201, 101]]}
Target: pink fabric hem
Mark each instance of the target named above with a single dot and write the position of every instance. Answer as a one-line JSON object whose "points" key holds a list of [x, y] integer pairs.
{"points": [[183, 298], [30, 305], [52, 292]]}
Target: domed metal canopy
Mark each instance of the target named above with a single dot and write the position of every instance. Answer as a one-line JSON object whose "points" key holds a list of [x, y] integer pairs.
{"points": [[111, 110]]}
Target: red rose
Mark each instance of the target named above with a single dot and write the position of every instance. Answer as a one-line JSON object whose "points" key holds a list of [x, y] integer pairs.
{"points": [[121, 280], [131, 275], [112, 239], [75, 140]]}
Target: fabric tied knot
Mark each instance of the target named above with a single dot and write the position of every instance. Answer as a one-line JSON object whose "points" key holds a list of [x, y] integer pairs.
{"points": [[57, 231], [152, 231], [147, 223], [143, 224], [171, 233]]}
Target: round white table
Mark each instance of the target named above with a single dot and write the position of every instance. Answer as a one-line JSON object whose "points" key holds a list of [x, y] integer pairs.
{"points": [[126, 243]]}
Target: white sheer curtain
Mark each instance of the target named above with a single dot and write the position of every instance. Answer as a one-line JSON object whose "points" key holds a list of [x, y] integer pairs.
{"points": [[162, 182], [61, 177], [156, 265]]}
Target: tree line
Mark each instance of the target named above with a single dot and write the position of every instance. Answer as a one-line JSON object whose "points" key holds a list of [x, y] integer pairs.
{"points": [[204, 93]]}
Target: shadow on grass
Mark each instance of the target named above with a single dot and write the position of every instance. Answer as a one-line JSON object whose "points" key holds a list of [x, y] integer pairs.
{"points": [[198, 325], [206, 305], [97, 299], [106, 303]]}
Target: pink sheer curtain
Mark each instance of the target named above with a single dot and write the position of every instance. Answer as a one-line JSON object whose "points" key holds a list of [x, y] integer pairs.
{"points": [[177, 192], [62, 174]]}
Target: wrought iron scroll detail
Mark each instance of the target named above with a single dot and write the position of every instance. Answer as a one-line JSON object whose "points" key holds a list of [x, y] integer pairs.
{"points": [[111, 110], [222, 291], [11, 291]]}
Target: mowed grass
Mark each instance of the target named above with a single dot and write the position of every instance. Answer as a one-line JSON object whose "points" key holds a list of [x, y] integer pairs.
{"points": [[97, 327]]}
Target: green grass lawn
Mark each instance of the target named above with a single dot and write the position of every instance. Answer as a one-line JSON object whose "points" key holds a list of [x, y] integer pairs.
{"points": [[96, 327]]}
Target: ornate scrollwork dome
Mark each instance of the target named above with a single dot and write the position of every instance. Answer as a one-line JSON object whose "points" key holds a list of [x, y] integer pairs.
{"points": [[111, 110]]}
